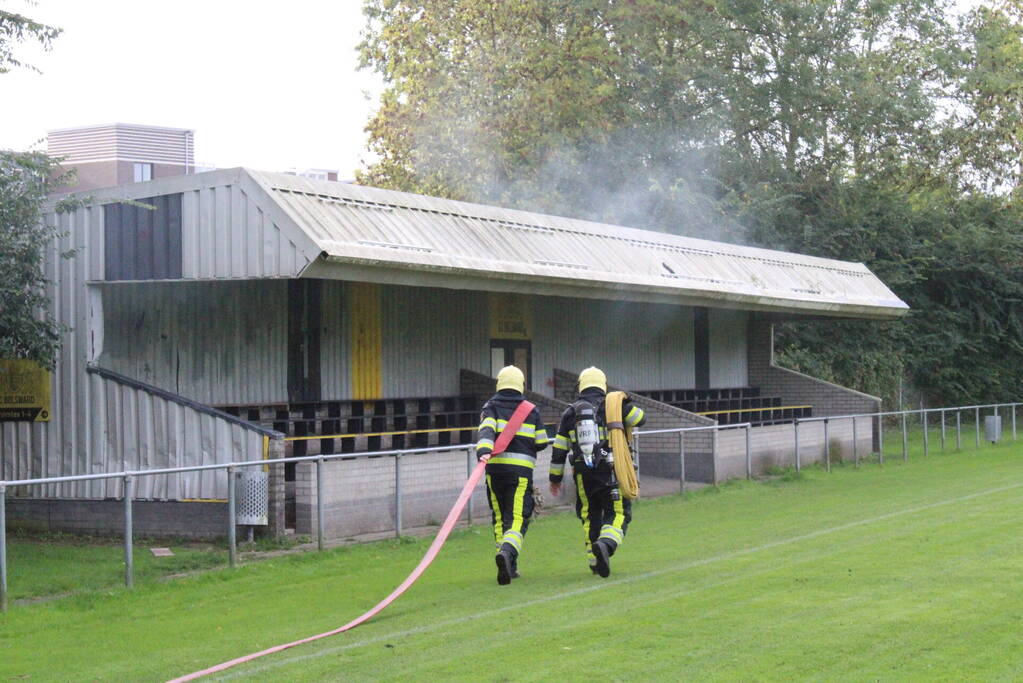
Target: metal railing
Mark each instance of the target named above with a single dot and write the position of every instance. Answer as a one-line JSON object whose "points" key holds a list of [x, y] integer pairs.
{"points": [[128, 477], [903, 414], [682, 431]]}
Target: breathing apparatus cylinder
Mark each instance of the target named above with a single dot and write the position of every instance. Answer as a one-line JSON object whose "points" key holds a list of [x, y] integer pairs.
{"points": [[586, 433]]}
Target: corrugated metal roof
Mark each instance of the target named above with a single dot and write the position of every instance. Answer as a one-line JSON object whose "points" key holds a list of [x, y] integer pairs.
{"points": [[363, 230], [323, 229]]}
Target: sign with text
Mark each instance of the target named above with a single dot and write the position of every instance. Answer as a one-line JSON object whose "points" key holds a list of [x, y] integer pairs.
{"points": [[24, 391], [510, 317]]}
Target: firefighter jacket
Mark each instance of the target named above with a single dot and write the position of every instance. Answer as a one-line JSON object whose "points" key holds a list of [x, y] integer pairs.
{"points": [[565, 441], [531, 438]]}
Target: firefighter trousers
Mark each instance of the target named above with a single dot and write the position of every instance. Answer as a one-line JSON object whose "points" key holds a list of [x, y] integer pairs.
{"points": [[605, 516], [511, 505]]}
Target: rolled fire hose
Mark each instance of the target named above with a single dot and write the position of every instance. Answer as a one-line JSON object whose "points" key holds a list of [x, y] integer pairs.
{"points": [[620, 435], [503, 439]]}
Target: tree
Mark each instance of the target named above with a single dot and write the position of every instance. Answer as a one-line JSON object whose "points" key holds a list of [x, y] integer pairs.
{"points": [[14, 29], [24, 238], [656, 113], [880, 131], [26, 179]]}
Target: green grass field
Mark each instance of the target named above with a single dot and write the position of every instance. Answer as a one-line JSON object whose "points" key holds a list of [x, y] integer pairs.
{"points": [[907, 571]]}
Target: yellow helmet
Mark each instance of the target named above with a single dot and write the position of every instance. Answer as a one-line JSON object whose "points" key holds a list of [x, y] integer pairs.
{"points": [[592, 377], [511, 377]]}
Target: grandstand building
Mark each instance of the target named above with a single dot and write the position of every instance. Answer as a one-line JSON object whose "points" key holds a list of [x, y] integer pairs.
{"points": [[247, 306]]}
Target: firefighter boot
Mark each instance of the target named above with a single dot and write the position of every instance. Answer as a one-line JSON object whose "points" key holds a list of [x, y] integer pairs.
{"points": [[503, 560], [603, 557]]}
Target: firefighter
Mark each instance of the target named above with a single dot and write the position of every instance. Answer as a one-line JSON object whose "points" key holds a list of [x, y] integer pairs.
{"points": [[599, 505], [510, 474]]}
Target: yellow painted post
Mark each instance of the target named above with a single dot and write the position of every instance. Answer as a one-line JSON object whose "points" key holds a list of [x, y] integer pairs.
{"points": [[366, 341]]}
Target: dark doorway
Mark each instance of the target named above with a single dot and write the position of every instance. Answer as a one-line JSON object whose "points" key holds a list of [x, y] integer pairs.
{"points": [[517, 352]]}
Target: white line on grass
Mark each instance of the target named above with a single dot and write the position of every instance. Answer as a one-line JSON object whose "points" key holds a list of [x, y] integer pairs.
{"points": [[282, 661]]}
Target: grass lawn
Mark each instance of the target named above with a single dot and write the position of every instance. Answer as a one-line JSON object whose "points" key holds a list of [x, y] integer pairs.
{"points": [[907, 571], [57, 564]]}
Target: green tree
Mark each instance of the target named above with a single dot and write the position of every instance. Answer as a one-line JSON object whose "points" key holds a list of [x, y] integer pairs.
{"points": [[881, 131], [25, 182], [15, 29], [26, 179]]}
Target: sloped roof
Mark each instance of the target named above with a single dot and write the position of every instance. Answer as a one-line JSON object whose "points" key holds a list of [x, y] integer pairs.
{"points": [[370, 234]]}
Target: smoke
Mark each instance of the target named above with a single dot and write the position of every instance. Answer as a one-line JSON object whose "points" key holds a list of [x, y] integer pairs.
{"points": [[650, 178]]}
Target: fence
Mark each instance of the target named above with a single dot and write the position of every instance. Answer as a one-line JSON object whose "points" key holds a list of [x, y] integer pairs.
{"points": [[128, 478]]}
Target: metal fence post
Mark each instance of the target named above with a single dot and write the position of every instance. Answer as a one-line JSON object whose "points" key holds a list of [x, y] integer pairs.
{"points": [[749, 456], [942, 430], [1013, 421], [795, 426], [682, 460], [905, 440], [924, 418], [232, 522], [635, 453], [856, 451], [827, 446], [880, 439], [129, 560], [959, 430], [319, 504], [976, 420], [469, 465], [397, 494], [3, 548]]}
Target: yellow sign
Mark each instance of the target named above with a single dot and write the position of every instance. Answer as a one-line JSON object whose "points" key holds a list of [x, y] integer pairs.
{"points": [[24, 391], [510, 317]]}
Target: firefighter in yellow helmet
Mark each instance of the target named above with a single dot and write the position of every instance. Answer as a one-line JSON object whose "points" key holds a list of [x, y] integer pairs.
{"points": [[604, 513], [510, 474]]}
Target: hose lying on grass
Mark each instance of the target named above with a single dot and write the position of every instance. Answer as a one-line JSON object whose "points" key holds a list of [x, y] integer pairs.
{"points": [[503, 439]]}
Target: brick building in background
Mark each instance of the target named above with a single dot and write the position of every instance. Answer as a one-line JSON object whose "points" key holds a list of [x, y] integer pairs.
{"points": [[120, 153]]}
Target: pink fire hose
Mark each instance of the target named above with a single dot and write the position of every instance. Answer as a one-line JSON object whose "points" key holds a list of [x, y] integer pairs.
{"points": [[502, 442]]}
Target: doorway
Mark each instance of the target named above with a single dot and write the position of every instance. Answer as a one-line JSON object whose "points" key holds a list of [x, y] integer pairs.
{"points": [[517, 352]]}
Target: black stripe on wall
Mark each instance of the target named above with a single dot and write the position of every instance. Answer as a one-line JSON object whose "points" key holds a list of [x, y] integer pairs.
{"points": [[701, 347], [304, 324], [142, 243]]}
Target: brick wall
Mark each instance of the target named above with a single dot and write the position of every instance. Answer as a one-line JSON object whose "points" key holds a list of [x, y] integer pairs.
{"points": [[275, 482], [482, 387], [162, 519], [774, 445], [659, 453], [795, 388], [359, 493]]}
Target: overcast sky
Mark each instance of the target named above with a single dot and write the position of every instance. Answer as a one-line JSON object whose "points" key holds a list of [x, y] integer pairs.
{"points": [[268, 85]]}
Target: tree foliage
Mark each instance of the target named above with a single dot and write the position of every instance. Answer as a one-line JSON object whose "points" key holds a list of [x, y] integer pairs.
{"points": [[881, 131], [26, 179], [15, 29], [25, 330]]}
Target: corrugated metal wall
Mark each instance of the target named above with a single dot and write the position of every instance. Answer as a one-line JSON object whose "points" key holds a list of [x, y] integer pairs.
{"points": [[151, 432], [727, 332], [225, 234], [429, 335], [59, 447], [130, 429], [641, 346], [212, 342], [335, 343]]}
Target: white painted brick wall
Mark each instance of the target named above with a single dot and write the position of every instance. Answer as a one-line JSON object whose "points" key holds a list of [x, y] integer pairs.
{"points": [[359, 493], [775, 445]]}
